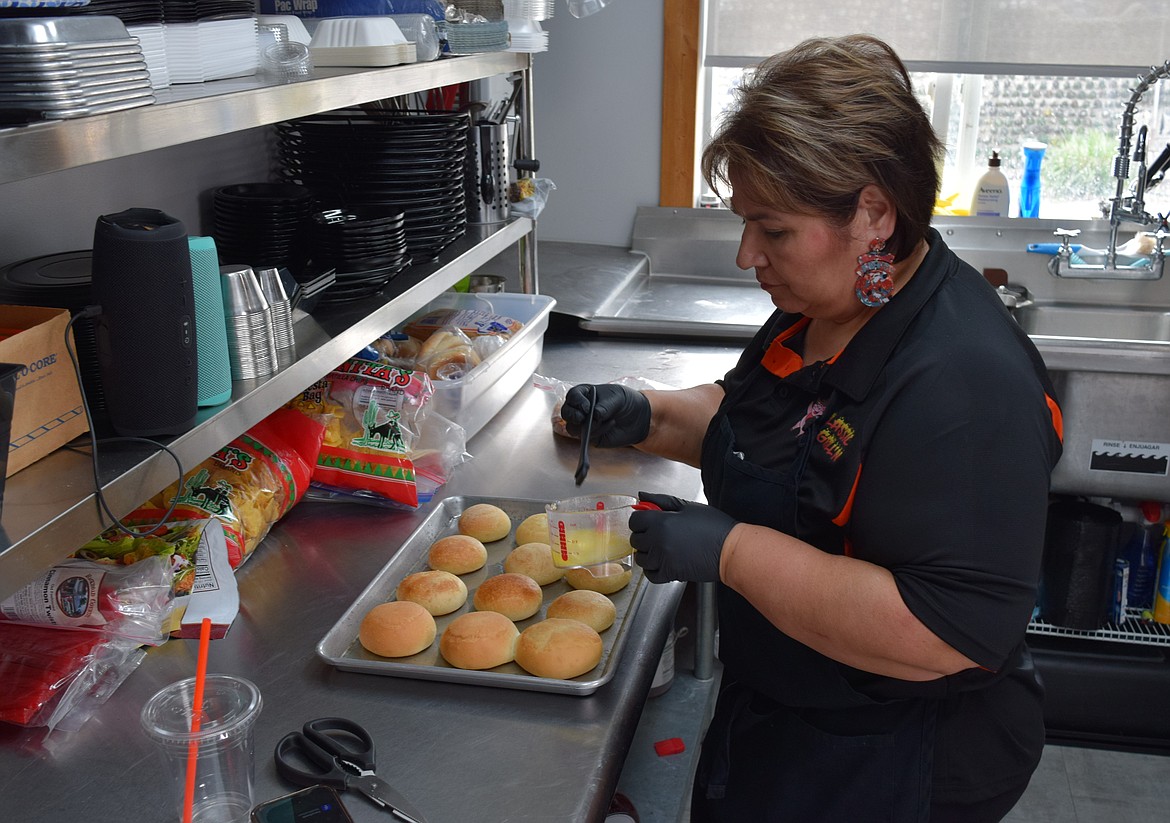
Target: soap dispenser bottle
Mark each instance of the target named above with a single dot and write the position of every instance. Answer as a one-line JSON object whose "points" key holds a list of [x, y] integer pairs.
{"points": [[991, 197], [1030, 184]]}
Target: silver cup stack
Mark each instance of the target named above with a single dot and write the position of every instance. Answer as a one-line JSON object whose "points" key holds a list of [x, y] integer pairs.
{"points": [[280, 310], [251, 344]]}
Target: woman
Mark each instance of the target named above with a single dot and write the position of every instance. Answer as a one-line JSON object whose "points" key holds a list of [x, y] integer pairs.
{"points": [[876, 465]]}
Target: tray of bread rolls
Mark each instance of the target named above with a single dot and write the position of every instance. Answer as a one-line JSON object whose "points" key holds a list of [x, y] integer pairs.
{"points": [[473, 597]]}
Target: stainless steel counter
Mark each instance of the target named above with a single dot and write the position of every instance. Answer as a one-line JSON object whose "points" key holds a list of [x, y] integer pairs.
{"points": [[462, 753]]}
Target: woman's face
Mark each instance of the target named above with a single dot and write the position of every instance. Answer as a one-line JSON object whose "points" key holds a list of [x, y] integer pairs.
{"points": [[804, 263]]}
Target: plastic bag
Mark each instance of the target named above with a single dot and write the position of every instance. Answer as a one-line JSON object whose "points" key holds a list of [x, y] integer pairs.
{"points": [[57, 677], [132, 601], [371, 413], [176, 542], [196, 550], [440, 447], [529, 195], [560, 388], [584, 8], [448, 354]]}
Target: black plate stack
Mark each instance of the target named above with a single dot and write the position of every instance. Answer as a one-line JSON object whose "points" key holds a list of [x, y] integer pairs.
{"points": [[263, 225], [385, 162], [367, 250]]}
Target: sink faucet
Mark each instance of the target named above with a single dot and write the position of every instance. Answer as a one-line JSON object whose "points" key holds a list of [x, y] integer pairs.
{"points": [[1122, 208]]}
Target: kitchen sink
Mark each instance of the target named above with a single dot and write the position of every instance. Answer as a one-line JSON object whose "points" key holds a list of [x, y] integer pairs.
{"points": [[1115, 324], [1110, 366], [1099, 338]]}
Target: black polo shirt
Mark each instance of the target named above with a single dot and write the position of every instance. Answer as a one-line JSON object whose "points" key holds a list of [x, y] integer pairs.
{"points": [[926, 447]]}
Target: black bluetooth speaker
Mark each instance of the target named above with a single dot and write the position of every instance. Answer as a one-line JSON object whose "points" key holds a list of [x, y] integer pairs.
{"points": [[146, 330]]}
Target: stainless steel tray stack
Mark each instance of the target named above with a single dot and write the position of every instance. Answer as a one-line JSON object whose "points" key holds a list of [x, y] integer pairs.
{"points": [[341, 647], [66, 67]]}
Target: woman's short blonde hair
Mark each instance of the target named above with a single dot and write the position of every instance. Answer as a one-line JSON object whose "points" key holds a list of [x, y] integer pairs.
{"points": [[812, 126]]}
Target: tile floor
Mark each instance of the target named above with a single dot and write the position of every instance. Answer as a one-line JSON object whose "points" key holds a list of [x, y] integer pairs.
{"points": [[1078, 785], [1071, 785]]}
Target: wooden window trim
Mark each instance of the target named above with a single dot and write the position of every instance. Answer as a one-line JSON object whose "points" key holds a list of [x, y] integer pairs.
{"points": [[680, 100]]}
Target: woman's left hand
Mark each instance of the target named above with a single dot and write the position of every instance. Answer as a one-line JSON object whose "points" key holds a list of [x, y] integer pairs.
{"points": [[684, 541]]}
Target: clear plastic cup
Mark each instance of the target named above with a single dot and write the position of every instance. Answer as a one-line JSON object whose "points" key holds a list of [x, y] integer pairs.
{"points": [[222, 750], [286, 61]]}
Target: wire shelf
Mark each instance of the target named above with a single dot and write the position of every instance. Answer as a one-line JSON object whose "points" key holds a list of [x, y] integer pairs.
{"points": [[1134, 629]]}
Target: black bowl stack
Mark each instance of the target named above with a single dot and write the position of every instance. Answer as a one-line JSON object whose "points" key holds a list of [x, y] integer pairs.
{"points": [[263, 225], [385, 162], [367, 249]]}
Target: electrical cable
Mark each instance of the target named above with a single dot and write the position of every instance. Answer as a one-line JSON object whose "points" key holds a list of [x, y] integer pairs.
{"points": [[91, 312]]}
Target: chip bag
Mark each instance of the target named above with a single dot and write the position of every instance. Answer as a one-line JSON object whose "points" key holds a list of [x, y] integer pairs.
{"points": [[176, 540], [251, 482], [371, 413]]}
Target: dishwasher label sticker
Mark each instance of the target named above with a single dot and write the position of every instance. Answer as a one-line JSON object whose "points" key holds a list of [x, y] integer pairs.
{"points": [[1132, 456]]}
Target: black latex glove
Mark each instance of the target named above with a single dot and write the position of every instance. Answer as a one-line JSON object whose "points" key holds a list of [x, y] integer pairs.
{"points": [[621, 415], [682, 542]]}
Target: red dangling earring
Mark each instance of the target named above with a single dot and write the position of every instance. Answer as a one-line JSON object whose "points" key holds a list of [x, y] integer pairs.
{"points": [[874, 268]]}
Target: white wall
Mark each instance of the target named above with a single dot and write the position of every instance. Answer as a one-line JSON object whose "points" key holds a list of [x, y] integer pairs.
{"points": [[56, 212], [598, 108]]}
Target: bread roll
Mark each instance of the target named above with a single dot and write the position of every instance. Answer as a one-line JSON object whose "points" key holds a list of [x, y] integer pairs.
{"points": [[606, 578], [443, 340], [397, 629], [457, 553], [437, 591], [448, 355], [534, 560], [453, 364], [592, 608], [485, 522], [558, 648], [516, 596], [533, 529], [479, 640]]}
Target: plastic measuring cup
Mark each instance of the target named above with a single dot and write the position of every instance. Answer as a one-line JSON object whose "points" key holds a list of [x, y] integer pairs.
{"points": [[591, 529]]}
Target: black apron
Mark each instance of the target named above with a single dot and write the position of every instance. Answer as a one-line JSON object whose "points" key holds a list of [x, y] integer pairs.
{"points": [[790, 739]]}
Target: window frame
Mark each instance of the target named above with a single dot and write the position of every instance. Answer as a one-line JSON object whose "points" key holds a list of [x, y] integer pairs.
{"points": [[686, 81]]}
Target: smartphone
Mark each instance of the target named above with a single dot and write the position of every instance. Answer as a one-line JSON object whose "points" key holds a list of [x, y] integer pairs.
{"points": [[319, 804]]}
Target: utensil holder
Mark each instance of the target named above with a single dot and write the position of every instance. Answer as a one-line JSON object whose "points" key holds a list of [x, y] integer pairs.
{"points": [[486, 180]]}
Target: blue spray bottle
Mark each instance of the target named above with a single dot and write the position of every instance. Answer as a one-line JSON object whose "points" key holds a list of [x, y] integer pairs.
{"points": [[1030, 185]]}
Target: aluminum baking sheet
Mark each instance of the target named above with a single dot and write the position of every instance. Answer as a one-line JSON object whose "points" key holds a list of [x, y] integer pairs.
{"points": [[341, 647]]}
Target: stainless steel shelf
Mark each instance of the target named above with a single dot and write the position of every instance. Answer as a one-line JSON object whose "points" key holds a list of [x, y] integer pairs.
{"points": [[186, 113], [50, 508]]}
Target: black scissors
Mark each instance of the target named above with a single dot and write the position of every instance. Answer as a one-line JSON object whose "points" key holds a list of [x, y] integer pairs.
{"points": [[339, 753]]}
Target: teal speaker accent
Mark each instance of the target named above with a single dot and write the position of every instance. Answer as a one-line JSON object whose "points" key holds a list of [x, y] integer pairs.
{"points": [[215, 370]]}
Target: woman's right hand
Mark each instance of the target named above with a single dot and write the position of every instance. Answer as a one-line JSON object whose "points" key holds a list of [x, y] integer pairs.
{"points": [[621, 415]]}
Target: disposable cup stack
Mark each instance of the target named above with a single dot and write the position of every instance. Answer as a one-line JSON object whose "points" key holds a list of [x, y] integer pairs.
{"points": [[251, 343]]}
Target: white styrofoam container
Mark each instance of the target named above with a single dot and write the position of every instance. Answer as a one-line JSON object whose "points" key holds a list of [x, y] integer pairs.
{"points": [[474, 400]]}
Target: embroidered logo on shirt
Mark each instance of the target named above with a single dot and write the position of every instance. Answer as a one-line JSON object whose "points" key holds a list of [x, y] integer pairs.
{"points": [[815, 409], [834, 436]]}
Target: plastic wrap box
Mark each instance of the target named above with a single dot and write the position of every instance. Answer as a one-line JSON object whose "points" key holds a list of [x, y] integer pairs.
{"points": [[474, 400], [47, 412]]}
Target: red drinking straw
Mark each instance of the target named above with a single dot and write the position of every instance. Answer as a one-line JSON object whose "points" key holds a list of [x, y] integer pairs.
{"points": [[196, 718]]}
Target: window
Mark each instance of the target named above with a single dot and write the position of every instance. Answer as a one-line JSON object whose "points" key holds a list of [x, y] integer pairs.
{"points": [[992, 73]]}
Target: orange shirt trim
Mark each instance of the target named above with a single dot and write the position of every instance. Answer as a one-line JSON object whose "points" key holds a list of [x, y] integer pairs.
{"points": [[781, 360]]}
